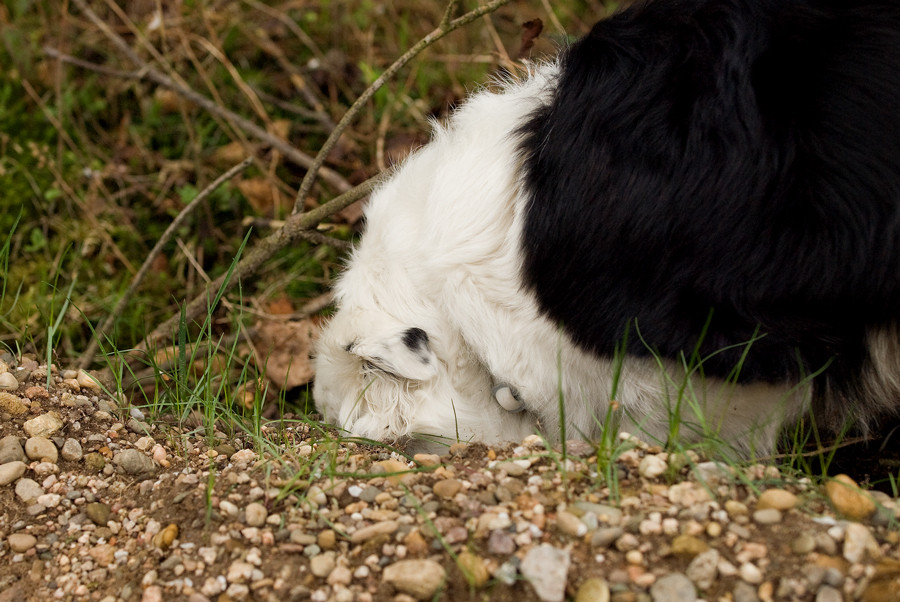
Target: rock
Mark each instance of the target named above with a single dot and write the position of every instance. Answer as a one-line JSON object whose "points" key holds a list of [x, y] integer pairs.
{"points": [[45, 425], [884, 583], [711, 472], [447, 488], [472, 567], [133, 462], [165, 538], [21, 542], [8, 382], [501, 543], [803, 544], [688, 493], [779, 499], [744, 592], [341, 575], [606, 514], [103, 554], [11, 404], [652, 466], [605, 536], [688, 545], [427, 459], [767, 516], [11, 471], [674, 587], [703, 569], [570, 524], [750, 573], [418, 578], [94, 462], [87, 382], [327, 539], [848, 499], [98, 512], [71, 450], [827, 593], [41, 448], [241, 572], [546, 567], [365, 533], [256, 514], [322, 565], [593, 590], [11, 450], [28, 490], [858, 540]]}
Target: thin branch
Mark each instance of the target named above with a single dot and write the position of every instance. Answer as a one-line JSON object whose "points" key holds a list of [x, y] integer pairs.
{"points": [[104, 327], [146, 71], [446, 26]]}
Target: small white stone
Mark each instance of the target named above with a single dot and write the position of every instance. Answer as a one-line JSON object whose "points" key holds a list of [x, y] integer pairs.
{"points": [[8, 382], [750, 573], [652, 466]]}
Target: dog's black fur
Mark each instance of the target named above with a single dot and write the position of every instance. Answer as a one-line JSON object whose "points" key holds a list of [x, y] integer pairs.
{"points": [[716, 172]]}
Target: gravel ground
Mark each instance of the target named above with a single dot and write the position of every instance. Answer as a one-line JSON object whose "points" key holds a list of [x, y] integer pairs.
{"points": [[95, 504]]}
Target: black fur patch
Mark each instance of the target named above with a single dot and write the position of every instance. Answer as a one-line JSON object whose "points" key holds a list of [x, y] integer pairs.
{"points": [[727, 167], [415, 339]]}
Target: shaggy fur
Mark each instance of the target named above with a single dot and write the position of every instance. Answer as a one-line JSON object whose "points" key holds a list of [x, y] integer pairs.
{"points": [[711, 185]]}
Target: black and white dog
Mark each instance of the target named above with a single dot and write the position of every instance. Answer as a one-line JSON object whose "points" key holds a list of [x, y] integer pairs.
{"points": [[711, 187]]}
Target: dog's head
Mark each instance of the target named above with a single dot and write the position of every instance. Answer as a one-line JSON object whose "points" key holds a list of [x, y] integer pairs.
{"points": [[388, 379]]}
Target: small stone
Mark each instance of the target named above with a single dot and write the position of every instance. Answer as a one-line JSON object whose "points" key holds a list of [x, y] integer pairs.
{"points": [[652, 466], [736, 508], [750, 573], [688, 545], [87, 382], [365, 533], [779, 499], [8, 382], [858, 540], [341, 575], [94, 462], [164, 539], [473, 568], [674, 587], [827, 593], [256, 514], [593, 590], [98, 512], [688, 494], [399, 469], [103, 554], [744, 592], [604, 537], [240, 572], [427, 459], [703, 569], [547, 567], [418, 578], [11, 450], [605, 514], [21, 542], [42, 449], [45, 425], [322, 565], [11, 404], [133, 462], [28, 490], [570, 524], [326, 539], [767, 516], [501, 543], [71, 450], [447, 488], [11, 471], [848, 499], [803, 544]]}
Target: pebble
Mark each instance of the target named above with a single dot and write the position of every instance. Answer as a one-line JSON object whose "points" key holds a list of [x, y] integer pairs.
{"points": [[322, 565], [85, 381], [365, 533], [688, 545], [779, 499], [848, 499], [41, 448], [45, 425], [703, 569], [8, 381], [767, 516], [11, 450], [71, 450], [256, 514], [827, 593], [803, 544], [595, 589], [134, 462], [858, 540], [674, 587], [547, 567], [652, 466], [500, 543], [21, 542], [98, 512], [570, 524], [447, 488], [28, 490], [473, 568], [418, 578], [744, 592], [750, 573], [11, 471], [11, 404]]}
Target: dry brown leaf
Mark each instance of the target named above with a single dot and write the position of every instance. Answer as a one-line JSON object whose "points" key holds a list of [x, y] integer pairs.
{"points": [[530, 32], [283, 351], [262, 195], [281, 306], [230, 154]]}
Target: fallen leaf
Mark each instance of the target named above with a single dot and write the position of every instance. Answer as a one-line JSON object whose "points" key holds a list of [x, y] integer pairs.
{"points": [[283, 349]]}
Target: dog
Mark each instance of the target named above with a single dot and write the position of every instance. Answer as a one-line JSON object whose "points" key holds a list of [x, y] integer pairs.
{"points": [[691, 217]]}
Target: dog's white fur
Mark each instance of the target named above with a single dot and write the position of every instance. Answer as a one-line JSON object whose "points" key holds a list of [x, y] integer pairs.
{"points": [[441, 253]]}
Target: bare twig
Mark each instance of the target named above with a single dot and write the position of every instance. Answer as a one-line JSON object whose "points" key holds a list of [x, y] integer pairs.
{"points": [[447, 25], [88, 355], [148, 72]]}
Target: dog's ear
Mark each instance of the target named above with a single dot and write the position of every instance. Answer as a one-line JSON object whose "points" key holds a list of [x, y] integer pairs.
{"points": [[406, 354]]}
